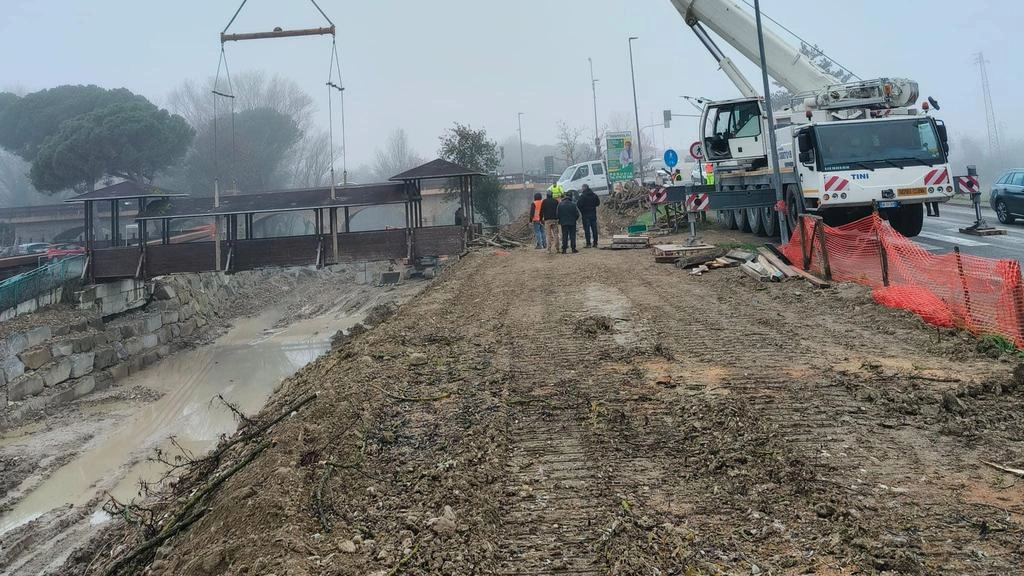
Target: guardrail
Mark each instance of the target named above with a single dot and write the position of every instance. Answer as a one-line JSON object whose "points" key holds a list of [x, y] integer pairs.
{"points": [[26, 286]]}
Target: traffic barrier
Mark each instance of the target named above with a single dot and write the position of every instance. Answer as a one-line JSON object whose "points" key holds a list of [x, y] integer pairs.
{"points": [[981, 295]]}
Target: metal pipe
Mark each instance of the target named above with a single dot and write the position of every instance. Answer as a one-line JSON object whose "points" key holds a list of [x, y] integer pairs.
{"points": [[593, 88], [522, 158], [636, 111], [772, 144], [276, 34]]}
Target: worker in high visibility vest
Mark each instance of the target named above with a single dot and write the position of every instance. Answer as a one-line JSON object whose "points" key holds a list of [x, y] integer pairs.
{"points": [[556, 191], [709, 174], [538, 222]]}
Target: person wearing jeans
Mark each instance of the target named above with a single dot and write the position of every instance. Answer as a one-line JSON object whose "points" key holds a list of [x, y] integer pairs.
{"points": [[538, 223], [588, 211], [568, 214], [549, 214]]}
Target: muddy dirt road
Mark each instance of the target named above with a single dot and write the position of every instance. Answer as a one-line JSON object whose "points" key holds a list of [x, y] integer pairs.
{"points": [[601, 414]]}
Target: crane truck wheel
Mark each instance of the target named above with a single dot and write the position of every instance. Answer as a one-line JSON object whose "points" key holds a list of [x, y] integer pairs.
{"points": [[794, 208], [742, 222], [727, 219], [770, 219], [756, 218], [907, 219]]}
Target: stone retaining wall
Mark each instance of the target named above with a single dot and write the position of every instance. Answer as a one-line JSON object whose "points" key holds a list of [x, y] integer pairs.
{"points": [[48, 366]]}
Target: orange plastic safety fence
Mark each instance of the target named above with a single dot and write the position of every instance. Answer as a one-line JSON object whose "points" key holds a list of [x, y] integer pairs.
{"points": [[982, 295]]}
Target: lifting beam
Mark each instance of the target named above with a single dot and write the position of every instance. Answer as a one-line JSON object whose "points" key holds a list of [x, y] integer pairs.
{"points": [[277, 33]]}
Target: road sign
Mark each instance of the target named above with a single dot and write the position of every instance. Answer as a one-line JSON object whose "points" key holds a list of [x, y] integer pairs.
{"points": [[696, 151], [671, 158], [697, 202]]}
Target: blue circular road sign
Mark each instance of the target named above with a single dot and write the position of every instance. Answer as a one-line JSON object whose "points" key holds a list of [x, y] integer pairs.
{"points": [[671, 158]]}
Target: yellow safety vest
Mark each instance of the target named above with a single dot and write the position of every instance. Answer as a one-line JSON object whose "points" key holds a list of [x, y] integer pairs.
{"points": [[709, 174], [556, 191]]}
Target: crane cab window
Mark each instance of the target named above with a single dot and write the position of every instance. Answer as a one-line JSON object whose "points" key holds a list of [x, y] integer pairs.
{"points": [[736, 120]]}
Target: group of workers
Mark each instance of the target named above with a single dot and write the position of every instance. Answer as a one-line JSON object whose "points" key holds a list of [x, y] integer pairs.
{"points": [[559, 212]]}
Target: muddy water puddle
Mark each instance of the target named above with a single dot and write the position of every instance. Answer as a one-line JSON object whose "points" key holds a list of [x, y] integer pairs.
{"points": [[244, 366]]}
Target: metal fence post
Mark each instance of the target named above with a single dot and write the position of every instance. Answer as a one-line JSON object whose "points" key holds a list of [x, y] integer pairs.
{"points": [[963, 285], [884, 257]]}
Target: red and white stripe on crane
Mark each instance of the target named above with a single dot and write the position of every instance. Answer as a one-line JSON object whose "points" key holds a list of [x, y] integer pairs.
{"points": [[836, 184], [936, 177]]}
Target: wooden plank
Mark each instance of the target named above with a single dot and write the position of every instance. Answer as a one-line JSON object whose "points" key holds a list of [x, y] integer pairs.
{"points": [[814, 280], [774, 260], [689, 261], [722, 263], [741, 255], [778, 253], [754, 273]]}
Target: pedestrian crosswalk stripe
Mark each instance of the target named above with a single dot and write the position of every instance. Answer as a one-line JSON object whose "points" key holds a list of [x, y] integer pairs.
{"points": [[929, 247], [952, 239]]}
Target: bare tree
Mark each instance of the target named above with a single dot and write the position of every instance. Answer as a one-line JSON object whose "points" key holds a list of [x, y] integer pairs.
{"points": [[311, 165], [569, 142], [396, 157], [252, 90]]}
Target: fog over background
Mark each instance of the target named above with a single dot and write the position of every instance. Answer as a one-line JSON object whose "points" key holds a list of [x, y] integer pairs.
{"points": [[420, 66]]}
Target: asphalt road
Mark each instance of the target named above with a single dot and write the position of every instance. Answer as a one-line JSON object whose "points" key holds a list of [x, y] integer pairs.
{"points": [[941, 234]]}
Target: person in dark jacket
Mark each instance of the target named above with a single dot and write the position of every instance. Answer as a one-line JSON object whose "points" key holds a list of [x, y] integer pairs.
{"points": [[568, 214], [549, 214], [588, 211]]}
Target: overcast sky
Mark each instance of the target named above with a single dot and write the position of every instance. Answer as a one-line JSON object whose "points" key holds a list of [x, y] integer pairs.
{"points": [[422, 65]]}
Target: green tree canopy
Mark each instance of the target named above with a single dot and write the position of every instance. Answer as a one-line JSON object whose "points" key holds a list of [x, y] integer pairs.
{"points": [[132, 139], [26, 122], [470, 148], [473, 149]]}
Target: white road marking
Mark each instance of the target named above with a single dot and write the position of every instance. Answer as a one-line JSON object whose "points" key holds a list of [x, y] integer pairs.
{"points": [[929, 247], [952, 239]]}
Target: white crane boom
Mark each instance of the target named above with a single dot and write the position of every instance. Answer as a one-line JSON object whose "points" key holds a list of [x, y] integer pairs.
{"points": [[786, 64]]}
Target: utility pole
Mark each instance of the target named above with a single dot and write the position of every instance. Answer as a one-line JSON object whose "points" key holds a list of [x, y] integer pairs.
{"points": [[593, 87], [774, 151], [994, 145], [522, 158], [636, 111]]}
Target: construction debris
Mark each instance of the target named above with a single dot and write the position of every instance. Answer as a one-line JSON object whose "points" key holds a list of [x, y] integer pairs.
{"points": [[495, 240], [626, 242]]}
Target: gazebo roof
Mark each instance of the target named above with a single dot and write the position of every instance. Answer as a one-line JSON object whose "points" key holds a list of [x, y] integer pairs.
{"points": [[127, 190], [278, 201], [436, 169]]}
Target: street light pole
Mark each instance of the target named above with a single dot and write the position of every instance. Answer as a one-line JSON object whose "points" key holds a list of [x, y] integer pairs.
{"points": [[774, 151], [522, 158], [593, 87], [636, 111]]}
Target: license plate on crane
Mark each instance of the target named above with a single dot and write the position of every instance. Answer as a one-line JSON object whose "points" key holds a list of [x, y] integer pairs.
{"points": [[889, 204]]}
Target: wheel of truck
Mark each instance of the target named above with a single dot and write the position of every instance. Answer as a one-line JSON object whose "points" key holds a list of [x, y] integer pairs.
{"points": [[794, 208], [907, 219], [755, 216], [726, 219], [742, 222], [770, 219]]}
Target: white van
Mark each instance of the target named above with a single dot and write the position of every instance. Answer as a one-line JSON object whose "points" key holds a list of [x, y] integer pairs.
{"points": [[590, 173]]}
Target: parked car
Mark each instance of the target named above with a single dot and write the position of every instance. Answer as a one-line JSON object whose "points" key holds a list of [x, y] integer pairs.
{"points": [[60, 250], [33, 248], [590, 173], [1007, 198]]}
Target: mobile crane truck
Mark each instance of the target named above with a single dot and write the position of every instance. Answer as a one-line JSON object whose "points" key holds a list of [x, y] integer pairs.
{"points": [[844, 147]]}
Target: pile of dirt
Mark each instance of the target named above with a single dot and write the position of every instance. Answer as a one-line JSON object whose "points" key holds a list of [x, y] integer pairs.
{"points": [[477, 431]]}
